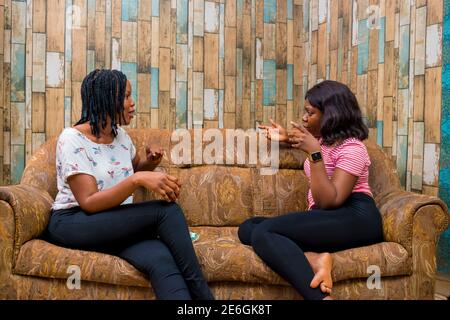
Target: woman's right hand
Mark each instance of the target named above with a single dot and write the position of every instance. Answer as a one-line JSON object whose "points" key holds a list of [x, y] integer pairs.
{"points": [[272, 134], [165, 185]]}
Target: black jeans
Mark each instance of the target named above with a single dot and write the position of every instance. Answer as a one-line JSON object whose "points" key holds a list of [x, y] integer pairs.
{"points": [[281, 241], [153, 236]]}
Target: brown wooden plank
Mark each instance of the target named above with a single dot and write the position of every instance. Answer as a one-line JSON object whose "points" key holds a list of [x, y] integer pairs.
{"points": [[298, 26], [281, 45], [389, 69], [116, 18], [229, 120], [76, 101], [197, 64], [54, 113], [145, 10], [164, 24], [164, 110], [230, 13], [155, 42], [245, 115], [143, 120], [269, 44], [390, 21], [334, 24], [259, 101], [372, 98], [55, 23], [39, 15], [129, 36], [230, 51], [259, 17], [281, 86], [373, 49], [433, 94], [314, 47], [143, 93], [333, 64], [322, 51], [387, 122], [298, 65], [38, 113], [144, 50], [164, 69], [281, 11], [211, 65], [230, 94], [79, 54], [100, 37], [419, 97], [353, 71], [435, 10]]}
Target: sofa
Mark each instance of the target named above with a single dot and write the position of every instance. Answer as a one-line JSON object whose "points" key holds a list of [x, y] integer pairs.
{"points": [[216, 199]]}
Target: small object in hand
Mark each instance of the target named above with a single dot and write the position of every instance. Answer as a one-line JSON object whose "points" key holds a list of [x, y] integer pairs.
{"points": [[194, 236]]}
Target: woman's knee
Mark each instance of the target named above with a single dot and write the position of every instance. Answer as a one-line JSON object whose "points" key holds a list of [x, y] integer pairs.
{"points": [[260, 236], [246, 229]]}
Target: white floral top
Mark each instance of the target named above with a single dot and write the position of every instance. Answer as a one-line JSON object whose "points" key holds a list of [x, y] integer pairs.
{"points": [[107, 163]]}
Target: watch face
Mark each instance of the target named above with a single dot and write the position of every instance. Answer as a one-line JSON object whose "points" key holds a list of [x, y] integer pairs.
{"points": [[316, 156]]}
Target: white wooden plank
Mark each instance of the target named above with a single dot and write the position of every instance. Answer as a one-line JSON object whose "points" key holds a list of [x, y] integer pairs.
{"points": [[434, 46]]}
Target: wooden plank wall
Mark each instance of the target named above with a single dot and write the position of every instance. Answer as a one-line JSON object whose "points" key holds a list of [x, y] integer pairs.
{"points": [[227, 64]]}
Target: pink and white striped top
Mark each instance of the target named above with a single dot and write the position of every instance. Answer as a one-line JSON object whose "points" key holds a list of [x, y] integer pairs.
{"points": [[352, 156]]}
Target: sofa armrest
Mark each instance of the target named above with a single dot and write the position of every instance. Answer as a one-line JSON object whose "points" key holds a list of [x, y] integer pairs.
{"points": [[400, 209], [31, 209]]}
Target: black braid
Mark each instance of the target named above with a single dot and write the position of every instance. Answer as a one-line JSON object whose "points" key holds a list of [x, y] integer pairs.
{"points": [[102, 95]]}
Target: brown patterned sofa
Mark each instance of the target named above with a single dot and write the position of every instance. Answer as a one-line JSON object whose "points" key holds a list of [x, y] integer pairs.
{"points": [[215, 200]]}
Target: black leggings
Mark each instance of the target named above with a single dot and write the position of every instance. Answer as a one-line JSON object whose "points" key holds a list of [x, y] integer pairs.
{"points": [[153, 236], [281, 241]]}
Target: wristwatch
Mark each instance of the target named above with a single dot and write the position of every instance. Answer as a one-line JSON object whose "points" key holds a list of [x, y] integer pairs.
{"points": [[315, 156]]}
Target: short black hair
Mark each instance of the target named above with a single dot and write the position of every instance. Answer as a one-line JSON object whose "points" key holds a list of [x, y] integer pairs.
{"points": [[102, 96], [341, 115]]}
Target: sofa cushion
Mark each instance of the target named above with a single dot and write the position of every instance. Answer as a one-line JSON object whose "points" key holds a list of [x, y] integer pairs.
{"points": [[220, 253]]}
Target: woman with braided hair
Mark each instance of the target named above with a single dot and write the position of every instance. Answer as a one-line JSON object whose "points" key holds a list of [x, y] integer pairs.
{"points": [[98, 169]]}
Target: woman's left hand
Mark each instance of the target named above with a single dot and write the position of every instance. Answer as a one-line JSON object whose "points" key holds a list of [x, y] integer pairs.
{"points": [[154, 155], [302, 139]]}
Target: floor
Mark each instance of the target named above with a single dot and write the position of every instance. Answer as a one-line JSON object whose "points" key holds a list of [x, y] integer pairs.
{"points": [[442, 287]]}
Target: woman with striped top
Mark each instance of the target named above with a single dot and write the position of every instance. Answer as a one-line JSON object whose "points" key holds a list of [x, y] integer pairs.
{"points": [[341, 210]]}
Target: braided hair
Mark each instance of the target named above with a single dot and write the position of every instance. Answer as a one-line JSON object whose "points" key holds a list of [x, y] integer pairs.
{"points": [[102, 96]]}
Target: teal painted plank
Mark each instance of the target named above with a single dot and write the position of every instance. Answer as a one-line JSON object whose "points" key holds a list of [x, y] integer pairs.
{"points": [[269, 83], [380, 133], [17, 162], [222, 31], [182, 21], [270, 11], [403, 75], [381, 37], [181, 104], [306, 18], [69, 22], [363, 47], [130, 70], [154, 87], [18, 73], [155, 8], [290, 9], [90, 63], [290, 82], [67, 111], [129, 10]]}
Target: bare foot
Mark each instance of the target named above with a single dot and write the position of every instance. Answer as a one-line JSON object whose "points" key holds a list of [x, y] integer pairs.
{"points": [[322, 264]]}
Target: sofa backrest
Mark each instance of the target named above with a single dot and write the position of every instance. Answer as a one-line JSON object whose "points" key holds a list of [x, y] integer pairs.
{"points": [[222, 194]]}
